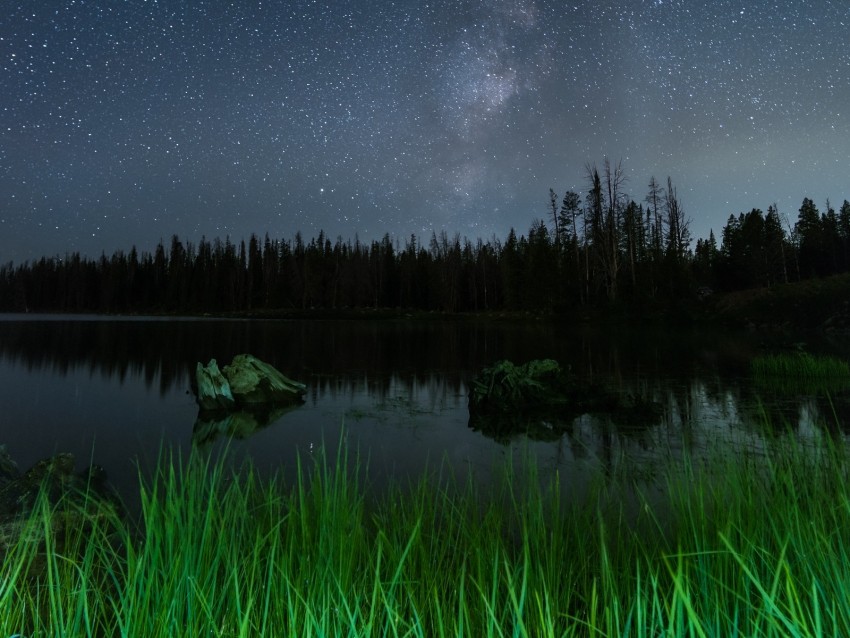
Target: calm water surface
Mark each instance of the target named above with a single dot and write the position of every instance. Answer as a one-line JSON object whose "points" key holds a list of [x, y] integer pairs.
{"points": [[115, 391]]}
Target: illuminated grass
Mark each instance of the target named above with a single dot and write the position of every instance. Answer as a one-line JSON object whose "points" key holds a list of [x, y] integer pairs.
{"points": [[741, 545], [801, 373]]}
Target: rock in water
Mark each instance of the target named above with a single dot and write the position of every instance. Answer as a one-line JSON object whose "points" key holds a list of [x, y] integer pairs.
{"points": [[213, 389], [255, 382]]}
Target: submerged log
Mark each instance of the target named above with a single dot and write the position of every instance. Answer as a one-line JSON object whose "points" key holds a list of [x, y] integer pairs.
{"points": [[213, 389], [246, 383], [253, 381]]}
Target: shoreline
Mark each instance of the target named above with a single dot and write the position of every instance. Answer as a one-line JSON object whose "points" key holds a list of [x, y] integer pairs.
{"points": [[814, 305]]}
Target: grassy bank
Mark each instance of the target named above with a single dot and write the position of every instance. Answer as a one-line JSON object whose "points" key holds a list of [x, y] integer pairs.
{"points": [[754, 546], [812, 304]]}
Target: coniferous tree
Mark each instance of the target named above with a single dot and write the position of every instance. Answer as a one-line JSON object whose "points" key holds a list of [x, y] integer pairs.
{"points": [[568, 222], [540, 268], [706, 257], [831, 240], [775, 247], [632, 232], [512, 272], [654, 231], [844, 235], [810, 239], [594, 213]]}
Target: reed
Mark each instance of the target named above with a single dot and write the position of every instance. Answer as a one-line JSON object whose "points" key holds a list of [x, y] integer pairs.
{"points": [[801, 373], [740, 545]]}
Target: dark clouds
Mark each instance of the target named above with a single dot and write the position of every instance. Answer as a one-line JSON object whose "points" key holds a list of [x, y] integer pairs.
{"points": [[126, 122]]}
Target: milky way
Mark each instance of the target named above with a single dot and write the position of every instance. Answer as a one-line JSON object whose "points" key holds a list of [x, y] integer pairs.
{"points": [[122, 123]]}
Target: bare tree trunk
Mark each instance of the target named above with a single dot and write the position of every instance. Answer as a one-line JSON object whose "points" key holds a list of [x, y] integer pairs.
{"points": [[678, 232], [614, 179], [553, 200]]}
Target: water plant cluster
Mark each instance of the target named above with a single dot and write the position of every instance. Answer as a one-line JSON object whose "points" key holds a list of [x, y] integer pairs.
{"points": [[801, 372], [505, 386], [741, 544]]}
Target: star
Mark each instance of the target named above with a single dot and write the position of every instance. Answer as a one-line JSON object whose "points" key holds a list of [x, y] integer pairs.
{"points": [[123, 123]]}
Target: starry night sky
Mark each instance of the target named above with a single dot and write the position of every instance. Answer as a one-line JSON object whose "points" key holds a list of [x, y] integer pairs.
{"points": [[124, 122]]}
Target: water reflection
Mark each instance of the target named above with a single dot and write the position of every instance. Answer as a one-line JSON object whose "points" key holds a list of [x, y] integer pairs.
{"points": [[397, 390], [238, 424]]}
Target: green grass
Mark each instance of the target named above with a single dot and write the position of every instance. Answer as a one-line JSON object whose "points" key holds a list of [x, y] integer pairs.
{"points": [[801, 372], [740, 545]]}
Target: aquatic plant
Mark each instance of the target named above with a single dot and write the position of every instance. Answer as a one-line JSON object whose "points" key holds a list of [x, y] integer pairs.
{"points": [[800, 372], [505, 386], [738, 544]]}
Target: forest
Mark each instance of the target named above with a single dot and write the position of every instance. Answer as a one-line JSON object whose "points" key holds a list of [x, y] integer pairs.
{"points": [[597, 250]]}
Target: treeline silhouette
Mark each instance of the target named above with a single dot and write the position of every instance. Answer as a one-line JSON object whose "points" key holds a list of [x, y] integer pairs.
{"points": [[602, 248]]}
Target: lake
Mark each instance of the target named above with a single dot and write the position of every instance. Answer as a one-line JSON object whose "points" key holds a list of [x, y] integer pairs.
{"points": [[115, 391]]}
